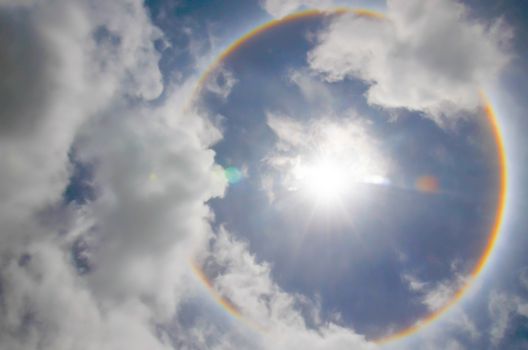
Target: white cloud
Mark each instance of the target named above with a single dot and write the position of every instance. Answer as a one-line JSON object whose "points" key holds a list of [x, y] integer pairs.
{"points": [[454, 329], [46, 306], [277, 315], [461, 321], [426, 56], [314, 91], [154, 179], [441, 294], [78, 78], [221, 82], [435, 295], [523, 278], [502, 307], [55, 77], [499, 307], [281, 8]]}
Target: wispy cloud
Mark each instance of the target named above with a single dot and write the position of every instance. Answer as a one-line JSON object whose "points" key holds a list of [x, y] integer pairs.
{"points": [[221, 82], [281, 8], [502, 307], [278, 316], [278, 8], [435, 295]]}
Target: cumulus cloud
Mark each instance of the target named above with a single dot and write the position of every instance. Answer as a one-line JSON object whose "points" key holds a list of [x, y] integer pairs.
{"points": [[426, 56], [56, 77], [47, 306], [102, 274], [153, 179]]}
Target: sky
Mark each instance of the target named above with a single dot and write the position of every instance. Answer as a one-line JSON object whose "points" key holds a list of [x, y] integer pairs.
{"points": [[192, 174]]}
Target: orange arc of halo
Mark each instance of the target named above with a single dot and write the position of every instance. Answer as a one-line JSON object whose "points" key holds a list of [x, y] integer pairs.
{"points": [[501, 155]]}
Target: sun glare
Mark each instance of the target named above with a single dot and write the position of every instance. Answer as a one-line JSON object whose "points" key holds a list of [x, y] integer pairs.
{"points": [[327, 160], [325, 180]]}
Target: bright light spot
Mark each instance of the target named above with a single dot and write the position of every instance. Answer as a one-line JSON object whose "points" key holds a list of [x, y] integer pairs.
{"points": [[327, 160], [377, 180], [326, 180]]}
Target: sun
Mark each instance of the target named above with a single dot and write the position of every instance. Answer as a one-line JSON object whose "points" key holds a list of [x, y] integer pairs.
{"points": [[326, 161], [325, 180]]}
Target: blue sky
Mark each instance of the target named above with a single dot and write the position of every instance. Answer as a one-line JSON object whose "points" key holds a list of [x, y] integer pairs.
{"points": [[362, 188]]}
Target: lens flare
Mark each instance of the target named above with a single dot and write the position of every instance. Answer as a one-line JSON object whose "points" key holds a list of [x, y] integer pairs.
{"points": [[428, 184], [233, 175]]}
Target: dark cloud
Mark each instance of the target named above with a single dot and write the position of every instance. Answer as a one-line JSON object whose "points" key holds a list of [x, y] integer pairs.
{"points": [[27, 70]]}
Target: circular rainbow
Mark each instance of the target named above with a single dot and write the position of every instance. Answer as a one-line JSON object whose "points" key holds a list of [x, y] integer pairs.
{"points": [[501, 161]]}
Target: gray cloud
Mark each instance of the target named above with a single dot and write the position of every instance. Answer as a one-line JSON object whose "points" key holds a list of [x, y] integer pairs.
{"points": [[46, 306], [57, 79], [154, 174], [22, 46], [72, 68]]}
